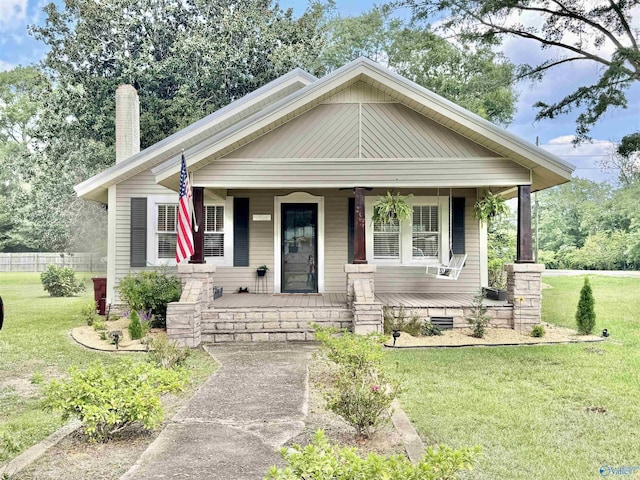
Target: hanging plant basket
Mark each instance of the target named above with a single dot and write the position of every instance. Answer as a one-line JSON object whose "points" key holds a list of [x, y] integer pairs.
{"points": [[391, 208], [490, 206]]}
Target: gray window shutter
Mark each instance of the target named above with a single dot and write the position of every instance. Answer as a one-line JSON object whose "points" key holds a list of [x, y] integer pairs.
{"points": [[457, 229], [138, 241], [240, 232]]}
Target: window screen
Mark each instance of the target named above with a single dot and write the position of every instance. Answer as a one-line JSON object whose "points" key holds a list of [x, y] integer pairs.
{"points": [[166, 230], [214, 231], [426, 234], [386, 240]]}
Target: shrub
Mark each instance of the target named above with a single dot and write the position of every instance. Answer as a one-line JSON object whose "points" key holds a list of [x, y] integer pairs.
{"points": [[165, 353], [478, 319], [363, 399], [586, 314], [89, 313], [99, 325], [538, 331], [108, 398], [150, 290], [61, 281], [322, 461], [411, 326], [429, 329], [355, 352], [135, 327]]}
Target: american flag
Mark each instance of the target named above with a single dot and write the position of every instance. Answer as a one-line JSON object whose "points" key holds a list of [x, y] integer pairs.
{"points": [[184, 245]]}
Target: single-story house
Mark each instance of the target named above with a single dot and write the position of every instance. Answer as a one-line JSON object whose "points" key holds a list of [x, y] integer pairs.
{"points": [[286, 177]]}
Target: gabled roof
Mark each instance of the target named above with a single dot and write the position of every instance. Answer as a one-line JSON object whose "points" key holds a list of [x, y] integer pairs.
{"points": [[96, 187], [547, 169]]}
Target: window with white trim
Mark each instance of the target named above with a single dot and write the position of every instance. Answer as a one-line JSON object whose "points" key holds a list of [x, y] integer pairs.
{"points": [[214, 231], [166, 233], [386, 239], [425, 241], [419, 240]]}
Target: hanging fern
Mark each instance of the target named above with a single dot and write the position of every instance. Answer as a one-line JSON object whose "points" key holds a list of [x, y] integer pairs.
{"points": [[390, 207], [490, 206]]}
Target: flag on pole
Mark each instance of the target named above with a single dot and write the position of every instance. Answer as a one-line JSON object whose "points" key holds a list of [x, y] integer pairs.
{"points": [[184, 245]]}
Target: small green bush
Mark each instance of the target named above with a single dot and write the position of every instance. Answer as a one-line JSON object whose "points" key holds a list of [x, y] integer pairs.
{"points": [[363, 399], [89, 313], [538, 331], [166, 353], [430, 330], [323, 461], [586, 314], [61, 281], [99, 325], [400, 322], [478, 319], [355, 352], [108, 398], [150, 290], [135, 327]]}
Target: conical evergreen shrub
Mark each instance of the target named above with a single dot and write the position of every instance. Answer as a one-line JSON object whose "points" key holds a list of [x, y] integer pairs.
{"points": [[586, 314], [135, 327]]}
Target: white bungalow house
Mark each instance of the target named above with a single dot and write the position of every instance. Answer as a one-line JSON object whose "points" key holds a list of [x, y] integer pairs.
{"points": [[286, 177]]}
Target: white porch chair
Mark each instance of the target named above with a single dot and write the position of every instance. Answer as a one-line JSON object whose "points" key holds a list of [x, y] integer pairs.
{"points": [[451, 271]]}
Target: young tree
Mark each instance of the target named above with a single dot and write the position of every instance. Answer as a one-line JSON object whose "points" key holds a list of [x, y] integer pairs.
{"points": [[599, 31], [585, 314]]}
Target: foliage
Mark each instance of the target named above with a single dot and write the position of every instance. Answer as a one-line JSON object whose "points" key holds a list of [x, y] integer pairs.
{"points": [[167, 353], [428, 329], [391, 209], [61, 281], [476, 78], [478, 318], [574, 31], [90, 313], [99, 325], [363, 398], [538, 331], [585, 313], [362, 393], [358, 353], [323, 461], [108, 398], [150, 290], [490, 206], [400, 322], [135, 327]]}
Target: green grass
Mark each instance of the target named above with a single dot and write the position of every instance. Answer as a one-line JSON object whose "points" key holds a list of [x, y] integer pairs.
{"points": [[35, 345], [528, 406]]}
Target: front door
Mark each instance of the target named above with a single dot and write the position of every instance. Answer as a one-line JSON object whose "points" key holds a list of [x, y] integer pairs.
{"points": [[299, 247]]}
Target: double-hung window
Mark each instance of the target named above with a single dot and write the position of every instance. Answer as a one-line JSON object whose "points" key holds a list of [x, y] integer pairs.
{"points": [[166, 233], [214, 231], [386, 239], [425, 241]]}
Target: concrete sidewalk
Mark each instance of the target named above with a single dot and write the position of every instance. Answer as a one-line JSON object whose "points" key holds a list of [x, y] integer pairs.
{"points": [[234, 424]]}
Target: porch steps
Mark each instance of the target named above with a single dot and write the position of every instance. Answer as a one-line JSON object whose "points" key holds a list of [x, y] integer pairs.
{"points": [[270, 324]]}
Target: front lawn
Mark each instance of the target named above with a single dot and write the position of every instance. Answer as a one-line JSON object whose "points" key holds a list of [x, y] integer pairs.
{"points": [[35, 346], [538, 412]]}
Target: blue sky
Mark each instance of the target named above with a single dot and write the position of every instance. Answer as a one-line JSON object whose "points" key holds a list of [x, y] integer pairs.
{"points": [[17, 47]]}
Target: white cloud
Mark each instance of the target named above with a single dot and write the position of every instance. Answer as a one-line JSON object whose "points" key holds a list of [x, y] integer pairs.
{"points": [[5, 66], [587, 156], [11, 12]]}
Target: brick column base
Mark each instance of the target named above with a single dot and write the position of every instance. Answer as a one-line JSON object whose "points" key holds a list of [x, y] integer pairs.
{"points": [[524, 292], [184, 318], [367, 313]]}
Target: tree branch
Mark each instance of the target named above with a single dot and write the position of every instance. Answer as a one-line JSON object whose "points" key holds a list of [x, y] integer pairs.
{"points": [[624, 22], [542, 68], [573, 15]]}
